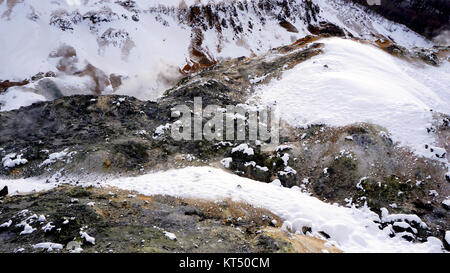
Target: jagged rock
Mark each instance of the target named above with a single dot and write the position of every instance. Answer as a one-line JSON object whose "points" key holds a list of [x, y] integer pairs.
{"points": [[325, 28], [4, 191], [7, 84]]}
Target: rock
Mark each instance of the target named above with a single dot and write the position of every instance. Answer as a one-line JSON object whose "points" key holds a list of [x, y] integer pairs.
{"points": [[447, 240], [4, 85], [325, 28], [288, 26], [408, 237], [403, 227], [4, 191], [446, 204]]}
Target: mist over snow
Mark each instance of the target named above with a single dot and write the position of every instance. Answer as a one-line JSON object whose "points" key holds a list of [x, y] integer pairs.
{"points": [[146, 44]]}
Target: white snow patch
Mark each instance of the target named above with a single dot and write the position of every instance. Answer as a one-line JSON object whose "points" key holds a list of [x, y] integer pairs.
{"points": [[161, 129], [386, 218], [41, 218], [446, 202], [244, 149], [276, 182], [285, 159], [12, 160], [226, 162], [362, 84], [27, 229], [15, 98], [6, 224], [48, 227], [26, 185], [433, 193], [170, 235], [49, 246], [52, 158], [87, 237]]}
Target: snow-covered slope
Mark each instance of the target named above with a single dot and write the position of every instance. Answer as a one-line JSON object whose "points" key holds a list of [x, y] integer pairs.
{"points": [[355, 82], [141, 47], [351, 229]]}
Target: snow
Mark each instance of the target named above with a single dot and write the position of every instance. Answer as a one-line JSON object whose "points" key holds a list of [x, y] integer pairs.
{"points": [[351, 229], [170, 235], [52, 158], [447, 237], [404, 225], [446, 202], [251, 163], [386, 218], [433, 193], [49, 246], [12, 160], [287, 170], [48, 227], [360, 24], [87, 237], [26, 185], [74, 247], [285, 159], [151, 50], [276, 183], [264, 169], [33, 40], [14, 99], [27, 229], [362, 84], [42, 218], [161, 129], [244, 149], [226, 162], [283, 147], [6, 224]]}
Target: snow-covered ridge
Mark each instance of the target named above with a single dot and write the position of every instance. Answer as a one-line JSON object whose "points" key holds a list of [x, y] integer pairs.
{"points": [[139, 47]]}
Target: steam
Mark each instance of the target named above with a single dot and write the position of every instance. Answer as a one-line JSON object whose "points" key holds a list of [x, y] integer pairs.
{"points": [[149, 84], [443, 38]]}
